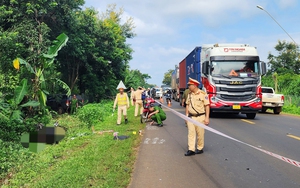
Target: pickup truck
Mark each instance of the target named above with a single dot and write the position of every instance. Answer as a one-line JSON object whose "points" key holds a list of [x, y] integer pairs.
{"points": [[270, 100]]}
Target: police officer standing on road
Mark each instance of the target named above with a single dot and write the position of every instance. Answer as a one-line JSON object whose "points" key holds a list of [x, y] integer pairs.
{"points": [[197, 108], [138, 101]]}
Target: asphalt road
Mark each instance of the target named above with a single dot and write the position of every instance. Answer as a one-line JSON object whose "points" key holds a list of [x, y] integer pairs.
{"points": [[225, 163]]}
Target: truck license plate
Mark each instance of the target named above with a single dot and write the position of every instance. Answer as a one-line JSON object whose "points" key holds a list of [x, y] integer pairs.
{"points": [[236, 107], [268, 104]]}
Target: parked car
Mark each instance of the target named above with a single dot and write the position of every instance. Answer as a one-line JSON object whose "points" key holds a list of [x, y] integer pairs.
{"points": [[271, 100], [159, 93]]}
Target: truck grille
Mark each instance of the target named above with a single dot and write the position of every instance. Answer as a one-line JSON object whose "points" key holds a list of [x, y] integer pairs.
{"points": [[237, 97], [244, 90], [248, 89]]}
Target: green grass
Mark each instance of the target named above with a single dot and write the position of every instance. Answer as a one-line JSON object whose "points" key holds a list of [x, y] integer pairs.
{"points": [[83, 158], [291, 105]]}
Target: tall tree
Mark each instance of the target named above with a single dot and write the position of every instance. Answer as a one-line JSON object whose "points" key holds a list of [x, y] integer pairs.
{"points": [[97, 56], [168, 77], [288, 59], [134, 79]]}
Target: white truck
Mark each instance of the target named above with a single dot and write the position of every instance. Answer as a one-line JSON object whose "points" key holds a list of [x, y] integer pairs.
{"points": [[271, 100]]}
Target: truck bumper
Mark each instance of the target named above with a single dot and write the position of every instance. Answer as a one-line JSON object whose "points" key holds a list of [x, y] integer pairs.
{"points": [[272, 105], [229, 109], [250, 107]]}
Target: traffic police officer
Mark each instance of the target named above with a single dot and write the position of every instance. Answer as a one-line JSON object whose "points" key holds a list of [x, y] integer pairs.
{"points": [[138, 101], [197, 108], [123, 103]]}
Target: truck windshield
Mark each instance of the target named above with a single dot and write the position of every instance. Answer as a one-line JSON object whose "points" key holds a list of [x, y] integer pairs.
{"points": [[235, 68]]}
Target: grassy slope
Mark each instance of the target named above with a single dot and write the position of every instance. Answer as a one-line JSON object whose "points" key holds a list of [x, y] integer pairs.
{"points": [[84, 158]]}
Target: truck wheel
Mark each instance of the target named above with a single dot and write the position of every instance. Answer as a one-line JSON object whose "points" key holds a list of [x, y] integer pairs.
{"points": [[263, 110], [251, 115], [277, 110]]}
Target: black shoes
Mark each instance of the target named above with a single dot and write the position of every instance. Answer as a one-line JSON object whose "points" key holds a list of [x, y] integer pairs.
{"points": [[126, 121], [198, 151], [160, 125], [189, 153]]}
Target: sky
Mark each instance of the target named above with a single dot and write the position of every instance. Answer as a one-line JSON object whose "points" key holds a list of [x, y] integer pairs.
{"points": [[167, 31]]}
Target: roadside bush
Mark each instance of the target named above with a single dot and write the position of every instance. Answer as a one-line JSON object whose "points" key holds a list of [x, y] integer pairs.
{"points": [[11, 130], [84, 158], [92, 114], [12, 155]]}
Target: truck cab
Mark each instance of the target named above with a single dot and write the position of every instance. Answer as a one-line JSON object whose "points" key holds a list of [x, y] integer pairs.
{"points": [[231, 76]]}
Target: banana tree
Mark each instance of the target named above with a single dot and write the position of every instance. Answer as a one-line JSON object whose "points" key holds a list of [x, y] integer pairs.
{"points": [[39, 88], [12, 110]]}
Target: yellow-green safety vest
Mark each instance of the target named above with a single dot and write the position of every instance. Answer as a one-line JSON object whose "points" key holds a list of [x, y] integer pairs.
{"points": [[122, 99]]}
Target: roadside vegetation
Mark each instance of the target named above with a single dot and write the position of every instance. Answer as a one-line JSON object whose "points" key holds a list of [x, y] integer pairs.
{"points": [[284, 75], [50, 48], [64, 48], [83, 158]]}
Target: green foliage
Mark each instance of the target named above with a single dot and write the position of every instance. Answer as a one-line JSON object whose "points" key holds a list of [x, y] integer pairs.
{"points": [[287, 60], [168, 77], [97, 57], [39, 91], [16, 114], [134, 79], [93, 63], [288, 84], [93, 114], [13, 109], [88, 159], [12, 155]]}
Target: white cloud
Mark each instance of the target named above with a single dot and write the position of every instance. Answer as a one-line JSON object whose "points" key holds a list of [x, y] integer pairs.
{"points": [[168, 30], [287, 3]]}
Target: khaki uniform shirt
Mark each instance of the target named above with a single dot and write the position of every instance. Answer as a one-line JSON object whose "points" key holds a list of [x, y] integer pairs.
{"points": [[138, 94], [197, 100], [132, 95]]}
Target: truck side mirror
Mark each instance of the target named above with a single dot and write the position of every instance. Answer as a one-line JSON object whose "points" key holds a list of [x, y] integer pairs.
{"points": [[205, 67], [263, 68]]}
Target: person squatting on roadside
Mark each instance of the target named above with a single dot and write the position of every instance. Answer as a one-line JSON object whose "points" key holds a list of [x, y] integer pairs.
{"points": [[138, 101], [123, 103], [197, 108], [157, 115]]}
